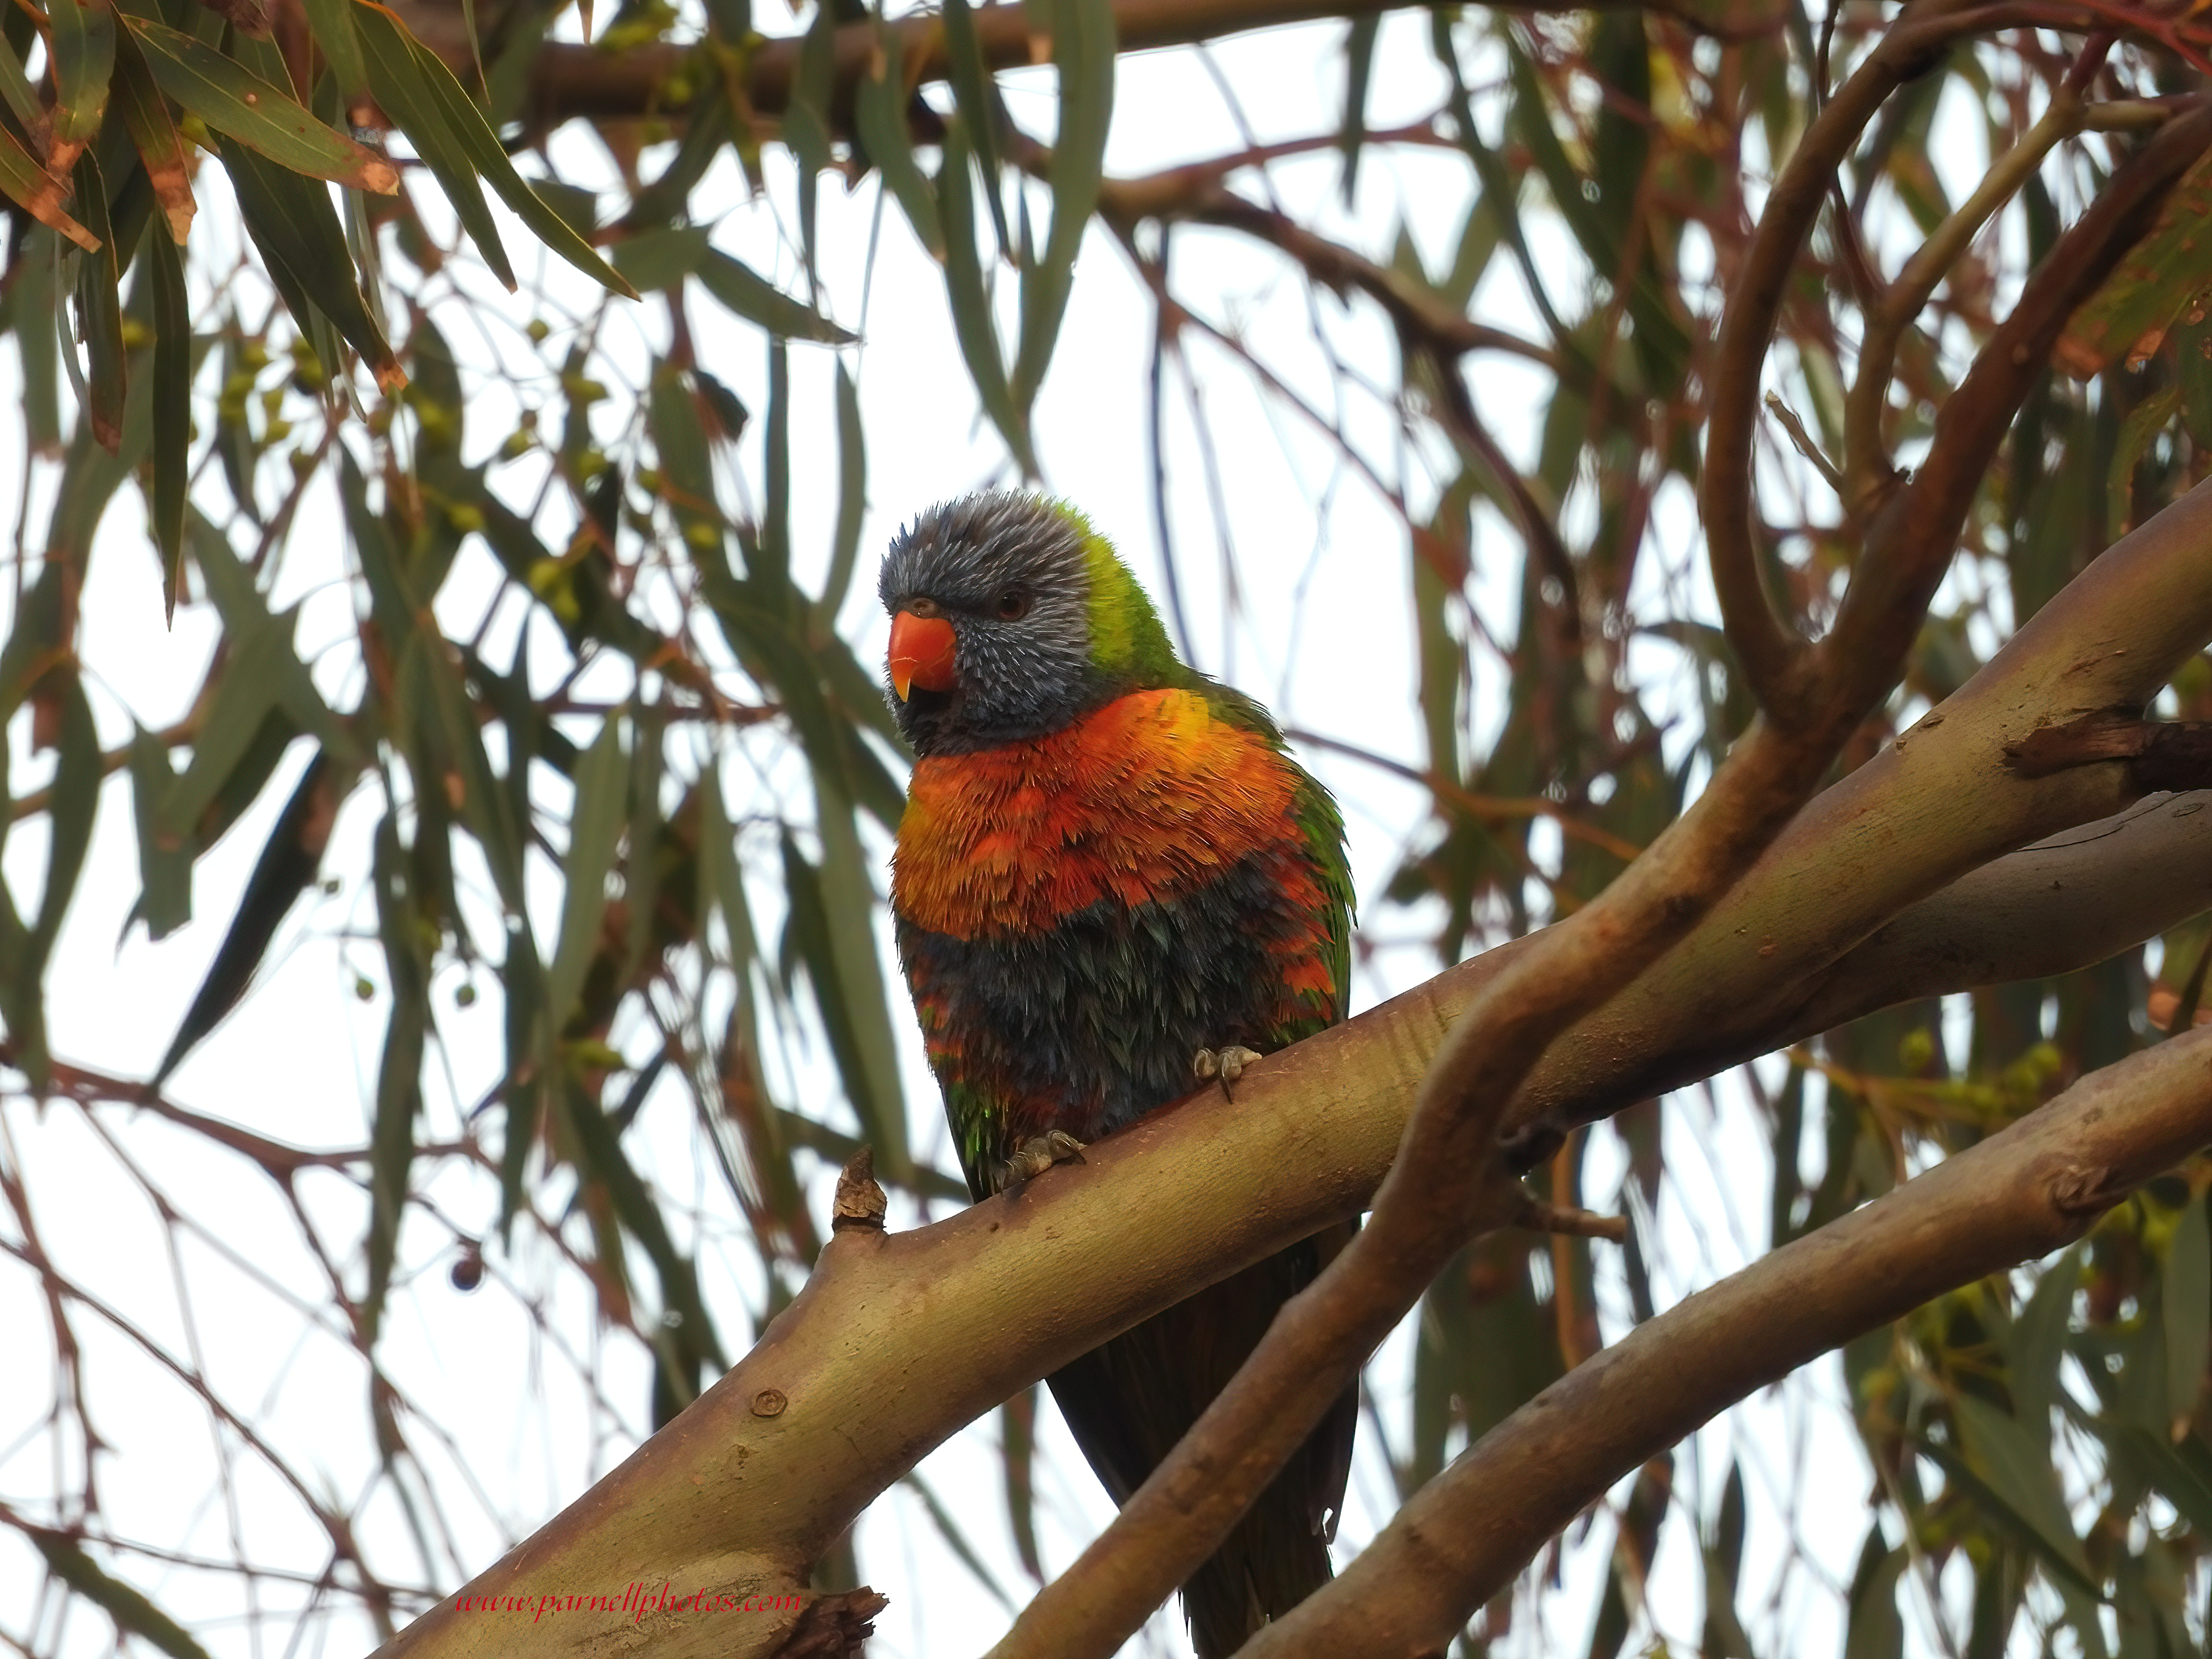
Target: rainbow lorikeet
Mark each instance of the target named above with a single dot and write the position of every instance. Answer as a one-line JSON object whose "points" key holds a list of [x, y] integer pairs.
{"points": [[1111, 874]]}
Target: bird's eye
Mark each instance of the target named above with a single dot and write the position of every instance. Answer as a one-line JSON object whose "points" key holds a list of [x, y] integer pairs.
{"points": [[1013, 605]]}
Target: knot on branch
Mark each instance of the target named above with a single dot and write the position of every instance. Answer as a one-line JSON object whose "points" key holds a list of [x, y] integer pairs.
{"points": [[2160, 755], [835, 1626], [2082, 1195], [1540, 1216], [859, 1200]]}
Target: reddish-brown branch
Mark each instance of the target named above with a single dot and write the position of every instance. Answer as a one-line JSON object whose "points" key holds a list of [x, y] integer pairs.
{"points": [[1777, 664], [1918, 525]]}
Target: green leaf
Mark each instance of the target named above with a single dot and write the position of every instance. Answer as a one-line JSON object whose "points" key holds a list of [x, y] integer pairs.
{"points": [[662, 259], [722, 879], [2038, 1344], [165, 868], [1017, 1455], [804, 128], [37, 274], [972, 304], [770, 549], [2183, 1472], [707, 134], [2185, 1301], [1499, 187], [2192, 342], [173, 413], [128, 1606], [2158, 281], [595, 825], [82, 39], [751, 296], [399, 1068], [974, 92], [288, 864], [687, 472], [809, 938], [2003, 1459], [383, 38], [1724, 1551], [291, 221], [146, 115], [330, 22], [849, 908], [689, 1339], [254, 684], [1083, 52], [16, 90], [75, 798], [100, 312], [852, 504], [1876, 1630], [401, 89], [33, 189], [241, 105], [879, 99], [2145, 421]]}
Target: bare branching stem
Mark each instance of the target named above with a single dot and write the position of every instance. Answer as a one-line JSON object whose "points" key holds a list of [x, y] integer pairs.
{"points": [[1775, 658], [1866, 457], [1801, 440]]}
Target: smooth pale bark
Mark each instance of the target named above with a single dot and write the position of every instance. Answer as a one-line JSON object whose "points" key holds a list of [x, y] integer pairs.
{"points": [[1937, 803]]}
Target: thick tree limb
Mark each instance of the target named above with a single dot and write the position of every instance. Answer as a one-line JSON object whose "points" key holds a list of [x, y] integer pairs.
{"points": [[2020, 1194], [572, 81], [1448, 1182], [2070, 900], [1935, 805], [898, 1340]]}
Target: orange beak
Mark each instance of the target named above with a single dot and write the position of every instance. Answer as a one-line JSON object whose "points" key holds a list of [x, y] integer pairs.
{"points": [[922, 653]]}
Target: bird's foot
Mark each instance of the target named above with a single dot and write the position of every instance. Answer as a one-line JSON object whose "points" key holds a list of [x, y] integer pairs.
{"points": [[1225, 1064], [1037, 1155]]}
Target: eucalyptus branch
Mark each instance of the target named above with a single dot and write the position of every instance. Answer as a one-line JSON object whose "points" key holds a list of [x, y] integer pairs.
{"points": [[2076, 897], [2020, 1194], [730, 1499], [572, 82], [1938, 803], [1445, 1184]]}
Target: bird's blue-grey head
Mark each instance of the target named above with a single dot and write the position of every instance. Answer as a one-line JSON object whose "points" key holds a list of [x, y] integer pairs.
{"points": [[995, 602]]}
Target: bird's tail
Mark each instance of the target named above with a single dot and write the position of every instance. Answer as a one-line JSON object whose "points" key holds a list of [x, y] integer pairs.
{"points": [[1272, 1562], [1130, 1400]]}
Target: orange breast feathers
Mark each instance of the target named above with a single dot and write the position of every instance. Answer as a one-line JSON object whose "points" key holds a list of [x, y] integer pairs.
{"points": [[1149, 797]]}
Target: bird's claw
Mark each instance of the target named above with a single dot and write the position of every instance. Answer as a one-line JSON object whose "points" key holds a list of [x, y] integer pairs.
{"points": [[1037, 1155], [1225, 1064]]}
